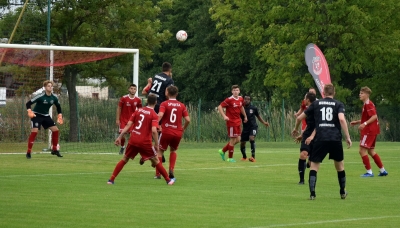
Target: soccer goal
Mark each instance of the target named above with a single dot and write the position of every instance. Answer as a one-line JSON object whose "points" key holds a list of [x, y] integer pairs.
{"points": [[85, 81]]}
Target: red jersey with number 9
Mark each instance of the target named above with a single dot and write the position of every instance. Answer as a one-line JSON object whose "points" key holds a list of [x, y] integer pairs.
{"points": [[143, 121], [171, 123], [368, 111]]}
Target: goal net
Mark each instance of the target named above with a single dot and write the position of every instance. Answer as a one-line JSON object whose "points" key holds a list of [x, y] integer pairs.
{"points": [[88, 82]]}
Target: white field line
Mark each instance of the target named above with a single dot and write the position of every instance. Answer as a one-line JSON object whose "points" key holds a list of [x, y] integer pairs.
{"points": [[328, 221], [152, 170]]}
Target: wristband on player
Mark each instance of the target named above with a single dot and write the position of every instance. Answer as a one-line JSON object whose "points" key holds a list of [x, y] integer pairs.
{"points": [[365, 123]]}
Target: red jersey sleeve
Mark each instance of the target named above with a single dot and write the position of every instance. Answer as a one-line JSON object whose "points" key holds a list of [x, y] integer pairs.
{"points": [[162, 107], [154, 121], [121, 102], [139, 103], [303, 105], [184, 112], [225, 103]]}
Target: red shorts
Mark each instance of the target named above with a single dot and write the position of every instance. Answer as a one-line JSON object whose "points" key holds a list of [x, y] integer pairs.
{"points": [[368, 141], [122, 126], [234, 131], [146, 151], [169, 140]]}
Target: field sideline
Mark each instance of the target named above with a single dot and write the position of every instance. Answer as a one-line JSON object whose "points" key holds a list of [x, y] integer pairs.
{"points": [[47, 191]]}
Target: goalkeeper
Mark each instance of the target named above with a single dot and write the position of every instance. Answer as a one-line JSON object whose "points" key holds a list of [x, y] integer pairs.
{"points": [[40, 117]]}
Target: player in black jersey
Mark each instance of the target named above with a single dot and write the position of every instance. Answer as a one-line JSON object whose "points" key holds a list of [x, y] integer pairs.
{"points": [[249, 131], [329, 117], [159, 83], [157, 86], [305, 149]]}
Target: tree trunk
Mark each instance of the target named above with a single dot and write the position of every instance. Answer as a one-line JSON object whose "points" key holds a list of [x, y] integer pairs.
{"points": [[70, 77]]}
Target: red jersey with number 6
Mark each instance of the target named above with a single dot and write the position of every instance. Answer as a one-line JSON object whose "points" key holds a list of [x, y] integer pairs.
{"points": [[368, 111], [143, 121], [171, 123], [232, 110]]}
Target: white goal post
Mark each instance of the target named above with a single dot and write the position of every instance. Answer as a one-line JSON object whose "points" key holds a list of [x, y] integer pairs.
{"points": [[51, 48]]}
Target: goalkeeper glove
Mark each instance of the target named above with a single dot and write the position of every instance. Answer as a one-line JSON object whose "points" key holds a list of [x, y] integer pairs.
{"points": [[60, 119], [30, 113]]}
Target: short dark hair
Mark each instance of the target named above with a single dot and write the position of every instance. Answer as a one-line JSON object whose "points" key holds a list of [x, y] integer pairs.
{"points": [[235, 87], [311, 97], [172, 90], [132, 85], [246, 95], [166, 66], [151, 99]]}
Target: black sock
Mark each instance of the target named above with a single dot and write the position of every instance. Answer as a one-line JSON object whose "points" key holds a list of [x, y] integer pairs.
{"points": [[243, 150], [342, 181], [312, 181], [253, 148], [302, 168]]}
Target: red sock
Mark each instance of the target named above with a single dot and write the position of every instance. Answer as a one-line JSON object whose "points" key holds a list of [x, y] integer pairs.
{"points": [[378, 161], [157, 172], [123, 141], [160, 168], [366, 162], [120, 165], [226, 147], [54, 139], [31, 140], [231, 148], [172, 160]]}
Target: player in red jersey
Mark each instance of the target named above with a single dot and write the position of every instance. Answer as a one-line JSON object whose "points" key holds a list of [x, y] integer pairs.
{"points": [[303, 107], [170, 114], [127, 105], [143, 124], [369, 128], [233, 108]]}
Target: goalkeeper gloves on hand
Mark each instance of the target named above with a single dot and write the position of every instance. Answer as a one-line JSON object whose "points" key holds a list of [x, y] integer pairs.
{"points": [[60, 119], [30, 113]]}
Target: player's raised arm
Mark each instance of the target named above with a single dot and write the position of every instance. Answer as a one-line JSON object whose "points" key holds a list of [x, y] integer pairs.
{"points": [[146, 89]]}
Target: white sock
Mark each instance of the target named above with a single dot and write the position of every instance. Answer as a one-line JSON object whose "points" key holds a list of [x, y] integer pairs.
{"points": [[382, 169], [369, 171]]}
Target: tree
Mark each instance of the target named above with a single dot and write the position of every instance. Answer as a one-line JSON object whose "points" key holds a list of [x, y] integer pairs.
{"points": [[359, 39]]}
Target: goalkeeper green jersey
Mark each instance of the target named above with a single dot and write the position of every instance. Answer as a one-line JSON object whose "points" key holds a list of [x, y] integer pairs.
{"points": [[44, 102]]}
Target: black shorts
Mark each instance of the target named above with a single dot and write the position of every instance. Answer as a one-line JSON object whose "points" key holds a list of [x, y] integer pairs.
{"points": [[246, 133], [305, 147], [322, 148], [39, 120]]}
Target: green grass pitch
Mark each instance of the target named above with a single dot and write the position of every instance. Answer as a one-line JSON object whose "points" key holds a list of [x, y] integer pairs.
{"points": [[47, 191]]}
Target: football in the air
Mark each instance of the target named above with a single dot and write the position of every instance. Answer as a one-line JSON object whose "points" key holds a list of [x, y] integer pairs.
{"points": [[181, 35]]}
